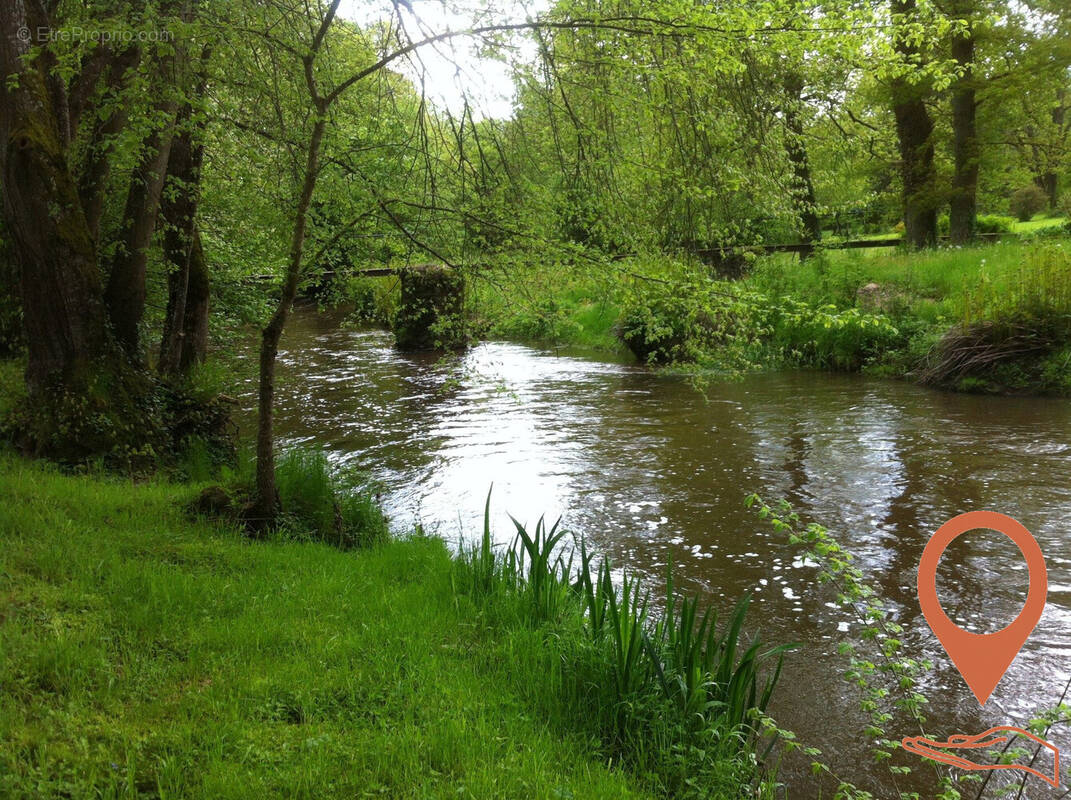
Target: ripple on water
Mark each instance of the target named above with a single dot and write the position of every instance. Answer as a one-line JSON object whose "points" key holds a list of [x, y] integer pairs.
{"points": [[652, 473]]}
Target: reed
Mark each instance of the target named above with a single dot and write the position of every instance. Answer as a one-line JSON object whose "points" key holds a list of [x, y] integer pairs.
{"points": [[669, 692]]}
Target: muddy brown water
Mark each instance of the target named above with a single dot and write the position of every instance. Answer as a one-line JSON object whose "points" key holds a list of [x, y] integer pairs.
{"points": [[652, 472]]}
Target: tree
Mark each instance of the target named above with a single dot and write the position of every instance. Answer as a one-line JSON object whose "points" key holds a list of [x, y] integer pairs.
{"points": [[184, 341], [61, 290], [64, 108], [914, 130], [966, 149]]}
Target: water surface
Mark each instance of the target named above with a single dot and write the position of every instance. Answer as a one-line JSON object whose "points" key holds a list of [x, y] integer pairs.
{"points": [[652, 473]]}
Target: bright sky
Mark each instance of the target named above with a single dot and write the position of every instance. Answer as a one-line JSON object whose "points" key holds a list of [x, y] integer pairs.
{"points": [[454, 70]]}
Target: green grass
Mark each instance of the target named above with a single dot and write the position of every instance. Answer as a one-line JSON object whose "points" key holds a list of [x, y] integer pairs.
{"points": [[143, 654], [1039, 222], [552, 304], [932, 285], [12, 385], [670, 694]]}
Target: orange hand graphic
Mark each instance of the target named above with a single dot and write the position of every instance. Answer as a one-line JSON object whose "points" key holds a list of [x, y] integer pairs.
{"points": [[926, 748]]}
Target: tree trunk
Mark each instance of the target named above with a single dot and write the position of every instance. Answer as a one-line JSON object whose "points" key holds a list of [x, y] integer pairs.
{"points": [[803, 184], [62, 304], [125, 292], [93, 176], [185, 337], [914, 131], [1059, 123], [963, 211], [1050, 184], [195, 320], [265, 505]]}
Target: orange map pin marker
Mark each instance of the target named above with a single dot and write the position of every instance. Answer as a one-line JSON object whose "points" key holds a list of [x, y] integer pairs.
{"points": [[982, 658]]}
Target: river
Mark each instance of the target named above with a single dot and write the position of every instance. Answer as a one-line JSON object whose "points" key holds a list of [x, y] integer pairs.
{"points": [[653, 472]]}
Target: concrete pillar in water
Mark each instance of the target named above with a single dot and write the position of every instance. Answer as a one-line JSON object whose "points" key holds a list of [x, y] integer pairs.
{"points": [[431, 314]]}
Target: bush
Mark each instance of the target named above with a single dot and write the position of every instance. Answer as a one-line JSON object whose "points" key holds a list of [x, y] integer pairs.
{"points": [[994, 223], [984, 223], [323, 504], [1064, 206], [826, 338], [1027, 202], [658, 331], [734, 330]]}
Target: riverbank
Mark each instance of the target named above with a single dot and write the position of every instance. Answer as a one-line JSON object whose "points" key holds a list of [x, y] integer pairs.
{"points": [[147, 653], [991, 318]]}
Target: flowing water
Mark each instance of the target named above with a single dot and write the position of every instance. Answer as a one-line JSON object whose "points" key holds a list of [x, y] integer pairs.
{"points": [[652, 473]]}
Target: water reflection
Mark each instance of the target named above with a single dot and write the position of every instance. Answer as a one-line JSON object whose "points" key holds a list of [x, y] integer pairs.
{"points": [[652, 473]]}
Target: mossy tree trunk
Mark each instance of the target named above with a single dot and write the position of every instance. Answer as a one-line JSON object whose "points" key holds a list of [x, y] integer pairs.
{"points": [[796, 149], [125, 291], [914, 133], [62, 298], [963, 210], [102, 136], [185, 337], [85, 397]]}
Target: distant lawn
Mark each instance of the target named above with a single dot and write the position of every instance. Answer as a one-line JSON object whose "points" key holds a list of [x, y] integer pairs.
{"points": [[1038, 223], [143, 654]]}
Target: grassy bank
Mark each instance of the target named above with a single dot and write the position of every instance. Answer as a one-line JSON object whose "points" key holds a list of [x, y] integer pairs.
{"points": [[991, 318], [994, 317], [145, 653]]}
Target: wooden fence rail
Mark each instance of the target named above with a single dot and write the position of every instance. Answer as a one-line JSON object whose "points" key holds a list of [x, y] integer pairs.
{"points": [[715, 252]]}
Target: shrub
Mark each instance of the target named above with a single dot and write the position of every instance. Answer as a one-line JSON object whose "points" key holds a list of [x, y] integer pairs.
{"points": [[830, 339], [994, 223], [658, 330], [1064, 206], [1027, 201], [984, 223], [324, 504], [732, 329]]}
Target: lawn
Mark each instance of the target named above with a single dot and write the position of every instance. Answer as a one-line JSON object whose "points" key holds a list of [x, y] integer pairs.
{"points": [[145, 654], [1039, 222]]}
